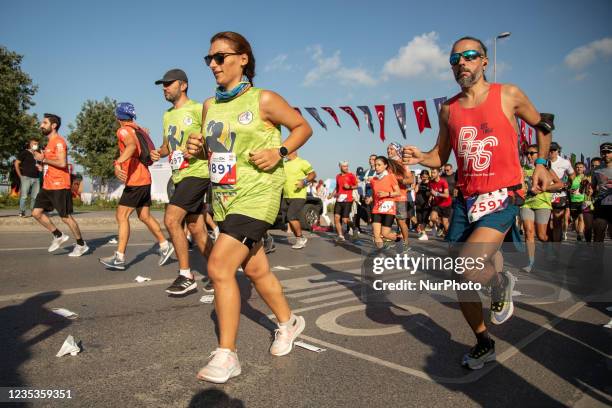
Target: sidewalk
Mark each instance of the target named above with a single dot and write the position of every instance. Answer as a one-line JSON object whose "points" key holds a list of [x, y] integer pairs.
{"points": [[87, 220]]}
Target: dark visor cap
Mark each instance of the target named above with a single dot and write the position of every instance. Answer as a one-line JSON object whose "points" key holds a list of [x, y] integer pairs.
{"points": [[173, 75]]}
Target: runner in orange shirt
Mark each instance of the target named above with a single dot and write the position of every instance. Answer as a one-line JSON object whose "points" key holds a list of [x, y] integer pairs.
{"points": [[55, 193], [385, 190], [137, 192]]}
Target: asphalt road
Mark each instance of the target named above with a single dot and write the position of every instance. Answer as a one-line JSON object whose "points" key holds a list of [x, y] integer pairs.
{"points": [[142, 348]]}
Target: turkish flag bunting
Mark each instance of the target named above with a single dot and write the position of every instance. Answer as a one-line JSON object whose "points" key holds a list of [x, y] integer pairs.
{"points": [[420, 111], [332, 113], [530, 135], [523, 135], [380, 112], [351, 113]]}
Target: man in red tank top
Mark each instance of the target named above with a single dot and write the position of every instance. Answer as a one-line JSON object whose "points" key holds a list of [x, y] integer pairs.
{"points": [[478, 125]]}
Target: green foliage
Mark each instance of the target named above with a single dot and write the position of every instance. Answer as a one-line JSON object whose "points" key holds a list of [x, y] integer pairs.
{"points": [[93, 140], [16, 91]]}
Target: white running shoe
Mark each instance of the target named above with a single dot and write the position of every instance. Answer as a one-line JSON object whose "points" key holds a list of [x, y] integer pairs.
{"points": [[300, 243], [222, 366], [502, 306], [57, 242], [285, 335], [164, 255], [79, 250], [423, 236]]}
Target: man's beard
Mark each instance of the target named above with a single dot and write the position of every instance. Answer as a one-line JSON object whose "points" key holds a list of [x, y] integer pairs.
{"points": [[44, 131], [171, 97], [468, 81]]}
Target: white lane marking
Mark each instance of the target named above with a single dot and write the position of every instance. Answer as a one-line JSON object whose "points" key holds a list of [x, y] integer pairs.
{"points": [[474, 375], [318, 291], [67, 245], [157, 282], [339, 293]]}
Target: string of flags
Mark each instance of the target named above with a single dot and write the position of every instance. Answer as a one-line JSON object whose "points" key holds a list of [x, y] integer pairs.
{"points": [[420, 112]]}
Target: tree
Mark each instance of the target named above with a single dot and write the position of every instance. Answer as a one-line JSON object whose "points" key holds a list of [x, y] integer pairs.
{"points": [[93, 140], [17, 126]]}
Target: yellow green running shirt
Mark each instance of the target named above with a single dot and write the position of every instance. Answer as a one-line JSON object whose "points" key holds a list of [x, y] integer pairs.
{"points": [[296, 170], [178, 125], [233, 129]]}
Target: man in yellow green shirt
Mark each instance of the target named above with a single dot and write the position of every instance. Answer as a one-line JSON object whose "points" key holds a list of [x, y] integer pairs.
{"points": [[298, 173]]}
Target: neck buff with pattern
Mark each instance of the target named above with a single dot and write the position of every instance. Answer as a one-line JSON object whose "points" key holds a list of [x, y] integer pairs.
{"points": [[223, 95]]}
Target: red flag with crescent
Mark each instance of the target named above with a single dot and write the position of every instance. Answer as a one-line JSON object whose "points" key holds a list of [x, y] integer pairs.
{"points": [[351, 113], [420, 111], [380, 112], [332, 114], [530, 135]]}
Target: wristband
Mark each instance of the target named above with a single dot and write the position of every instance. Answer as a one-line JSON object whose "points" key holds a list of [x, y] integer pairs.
{"points": [[305, 181], [541, 161]]}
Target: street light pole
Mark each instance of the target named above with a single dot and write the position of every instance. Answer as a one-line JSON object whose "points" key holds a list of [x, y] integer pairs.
{"points": [[500, 35]]}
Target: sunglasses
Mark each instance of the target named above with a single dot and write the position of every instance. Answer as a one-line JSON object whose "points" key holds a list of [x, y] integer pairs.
{"points": [[553, 150], [218, 57], [532, 153], [468, 55]]}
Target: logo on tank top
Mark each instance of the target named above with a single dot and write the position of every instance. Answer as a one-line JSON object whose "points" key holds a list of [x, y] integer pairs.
{"points": [[245, 118], [474, 152], [188, 120]]}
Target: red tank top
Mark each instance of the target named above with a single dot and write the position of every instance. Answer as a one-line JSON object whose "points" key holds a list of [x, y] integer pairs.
{"points": [[485, 145]]}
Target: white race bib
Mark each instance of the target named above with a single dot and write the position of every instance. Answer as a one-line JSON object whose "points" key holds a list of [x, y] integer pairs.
{"points": [[487, 203], [223, 168], [177, 160], [45, 169], [386, 207], [342, 198]]}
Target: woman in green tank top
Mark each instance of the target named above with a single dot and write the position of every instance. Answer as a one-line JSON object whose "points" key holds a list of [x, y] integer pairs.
{"points": [[577, 187], [242, 139], [535, 213]]}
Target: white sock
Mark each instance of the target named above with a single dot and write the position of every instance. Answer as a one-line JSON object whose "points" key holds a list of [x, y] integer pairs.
{"points": [[120, 256], [164, 245], [216, 232], [186, 273], [288, 322]]}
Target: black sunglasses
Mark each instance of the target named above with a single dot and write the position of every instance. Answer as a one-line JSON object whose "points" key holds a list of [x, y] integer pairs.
{"points": [[532, 153], [218, 57]]}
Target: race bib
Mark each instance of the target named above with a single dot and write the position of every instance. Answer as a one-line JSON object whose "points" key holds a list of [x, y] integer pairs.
{"points": [[557, 197], [223, 168], [45, 169], [386, 207], [177, 161], [342, 198], [487, 203]]}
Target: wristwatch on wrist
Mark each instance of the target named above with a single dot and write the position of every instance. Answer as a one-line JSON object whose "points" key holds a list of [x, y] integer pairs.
{"points": [[283, 152]]}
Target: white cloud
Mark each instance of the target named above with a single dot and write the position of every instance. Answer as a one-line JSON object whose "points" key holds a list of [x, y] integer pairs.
{"points": [[331, 68], [581, 57], [278, 63], [422, 56]]}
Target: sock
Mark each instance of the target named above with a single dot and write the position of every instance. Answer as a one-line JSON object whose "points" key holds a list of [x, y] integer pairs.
{"points": [[80, 241], [531, 261], [186, 273], [120, 255], [483, 338], [164, 245], [288, 322], [216, 232], [57, 233]]}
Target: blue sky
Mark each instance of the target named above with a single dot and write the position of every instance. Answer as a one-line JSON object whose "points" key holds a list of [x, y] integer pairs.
{"points": [[321, 53]]}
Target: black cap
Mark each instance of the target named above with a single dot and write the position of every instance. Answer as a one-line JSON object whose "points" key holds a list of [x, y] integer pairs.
{"points": [[555, 146], [605, 147], [173, 75]]}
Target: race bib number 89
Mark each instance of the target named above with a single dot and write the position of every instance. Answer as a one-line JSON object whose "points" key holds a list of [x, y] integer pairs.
{"points": [[487, 203], [223, 168], [177, 160]]}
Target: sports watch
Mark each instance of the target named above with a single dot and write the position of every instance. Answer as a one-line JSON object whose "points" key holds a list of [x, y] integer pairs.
{"points": [[283, 151]]}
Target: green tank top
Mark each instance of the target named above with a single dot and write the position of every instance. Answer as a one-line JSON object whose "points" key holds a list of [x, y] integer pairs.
{"points": [[576, 197], [541, 201], [233, 129], [178, 125]]}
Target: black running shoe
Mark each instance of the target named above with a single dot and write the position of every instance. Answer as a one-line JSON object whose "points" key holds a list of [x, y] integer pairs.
{"points": [[479, 355], [181, 285], [208, 286]]}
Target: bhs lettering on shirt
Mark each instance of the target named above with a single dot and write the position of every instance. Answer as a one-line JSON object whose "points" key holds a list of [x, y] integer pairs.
{"points": [[474, 152]]}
